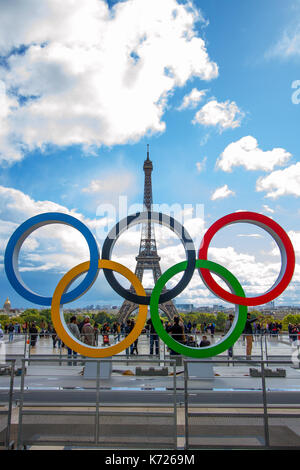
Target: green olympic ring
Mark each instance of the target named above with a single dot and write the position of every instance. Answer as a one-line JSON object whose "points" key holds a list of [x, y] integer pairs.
{"points": [[233, 334]]}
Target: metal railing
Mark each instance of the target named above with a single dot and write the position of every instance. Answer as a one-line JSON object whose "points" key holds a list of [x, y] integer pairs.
{"points": [[5, 434], [96, 426], [210, 424], [267, 413]]}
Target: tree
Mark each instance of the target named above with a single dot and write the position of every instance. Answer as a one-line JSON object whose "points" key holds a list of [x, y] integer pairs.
{"points": [[31, 315], [103, 317], [4, 319], [220, 321], [290, 318], [46, 314]]}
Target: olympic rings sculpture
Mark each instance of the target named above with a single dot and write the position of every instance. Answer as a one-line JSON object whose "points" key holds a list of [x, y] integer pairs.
{"points": [[62, 295]]}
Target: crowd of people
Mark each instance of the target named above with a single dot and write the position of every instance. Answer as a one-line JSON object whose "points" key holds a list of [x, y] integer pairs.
{"points": [[185, 333], [294, 332]]}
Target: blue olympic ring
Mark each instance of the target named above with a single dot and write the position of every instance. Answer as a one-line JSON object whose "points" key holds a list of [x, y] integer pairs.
{"points": [[19, 236]]}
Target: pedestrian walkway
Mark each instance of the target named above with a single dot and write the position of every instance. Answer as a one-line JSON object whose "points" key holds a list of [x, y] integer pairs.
{"points": [[262, 346]]}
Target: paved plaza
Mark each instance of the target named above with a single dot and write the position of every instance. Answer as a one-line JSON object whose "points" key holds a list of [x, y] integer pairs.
{"points": [[263, 346]]}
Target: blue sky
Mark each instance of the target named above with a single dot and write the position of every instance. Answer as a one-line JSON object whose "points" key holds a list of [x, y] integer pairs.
{"points": [[208, 85]]}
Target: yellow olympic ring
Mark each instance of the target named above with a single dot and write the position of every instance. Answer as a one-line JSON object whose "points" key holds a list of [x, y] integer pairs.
{"points": [[61, 327]]}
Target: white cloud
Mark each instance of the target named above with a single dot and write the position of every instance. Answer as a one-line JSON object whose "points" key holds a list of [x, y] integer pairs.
{"points": [[245, 152], [295, 239], [224, 115], [8, 146], [192, 99], [91, 76], [54, 247], [116, 183], [256, 275], [222, 192], [281, 182], [288, 45], [268, 209], [251, 235]]}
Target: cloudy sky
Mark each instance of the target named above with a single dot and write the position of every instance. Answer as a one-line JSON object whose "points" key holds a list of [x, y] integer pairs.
{"points": [[213, 87]]}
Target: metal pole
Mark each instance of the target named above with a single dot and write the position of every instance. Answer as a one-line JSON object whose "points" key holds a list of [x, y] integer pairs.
{"points": [[264, 396], [186, 406], [11, 390], [19, 443], [266, 348], [97, 403], [60, 363], [29, 348], [175, 404], [25, 345]]}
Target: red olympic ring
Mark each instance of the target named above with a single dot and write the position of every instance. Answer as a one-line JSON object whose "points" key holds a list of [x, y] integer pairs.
{"points": [[280, 237]]}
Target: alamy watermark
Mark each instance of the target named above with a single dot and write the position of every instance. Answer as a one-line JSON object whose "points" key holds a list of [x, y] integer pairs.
{"points": [[296, 94], [189, 216]]}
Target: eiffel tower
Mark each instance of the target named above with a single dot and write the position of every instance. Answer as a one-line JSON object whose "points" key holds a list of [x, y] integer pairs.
{"points": [[147, 258]]}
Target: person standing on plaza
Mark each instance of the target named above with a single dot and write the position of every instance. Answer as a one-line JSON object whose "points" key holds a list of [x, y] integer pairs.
{"points": [[290, 331], [11, 330], [53, 335], [204, 342], [87, 332], [228, 325], [127, 330], [118, 331], [33, 331], [212, 329], [177, 333], [96, 333], [153, 338], [133, 347], [73, 327], [248, 333]]}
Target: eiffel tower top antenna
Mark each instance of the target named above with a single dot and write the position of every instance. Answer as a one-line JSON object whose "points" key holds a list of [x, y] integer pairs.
{"points": [[148, 167]]}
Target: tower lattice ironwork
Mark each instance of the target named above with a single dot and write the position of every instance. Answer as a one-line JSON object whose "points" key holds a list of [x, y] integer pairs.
{"points": [[147, 258]]}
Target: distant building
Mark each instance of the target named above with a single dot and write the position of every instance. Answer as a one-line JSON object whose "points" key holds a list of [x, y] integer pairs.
{"points": [[185, 307], [7, 310], [7, 306], [218, 308], [270, 305], [205, 309]]}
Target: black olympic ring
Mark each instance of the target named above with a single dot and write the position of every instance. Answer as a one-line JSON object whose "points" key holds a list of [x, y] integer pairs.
{"points": [[162, 219]]}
